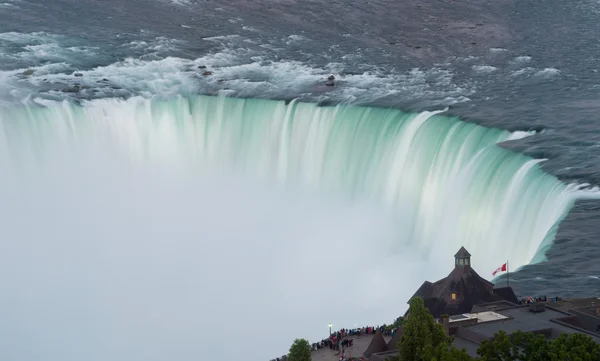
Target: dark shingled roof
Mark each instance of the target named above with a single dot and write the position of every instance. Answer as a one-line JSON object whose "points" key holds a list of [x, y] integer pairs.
{"points": [[462, 253], [425, 289], [377, 345], [506, 293], [470, 289]]}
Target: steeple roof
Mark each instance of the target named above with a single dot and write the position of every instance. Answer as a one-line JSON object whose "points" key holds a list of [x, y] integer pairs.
{"points": [[460, 290], [462, 253]]}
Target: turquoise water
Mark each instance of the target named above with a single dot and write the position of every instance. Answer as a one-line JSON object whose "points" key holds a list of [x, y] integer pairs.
{"points": [[447, 182], [146, 217]]}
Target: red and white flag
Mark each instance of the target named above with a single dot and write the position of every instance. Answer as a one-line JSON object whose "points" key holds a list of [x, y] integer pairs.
{"points": [[500, 269]]}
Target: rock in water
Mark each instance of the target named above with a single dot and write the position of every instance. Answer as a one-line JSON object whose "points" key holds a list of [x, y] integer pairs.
{"points": [[73, 89], [207, 73]]}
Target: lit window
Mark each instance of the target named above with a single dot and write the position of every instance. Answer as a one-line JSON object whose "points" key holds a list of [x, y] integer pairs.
{"points": [[453, 295]]}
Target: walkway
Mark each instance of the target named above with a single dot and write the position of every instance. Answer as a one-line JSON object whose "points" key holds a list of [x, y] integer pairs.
{"points": [[360, 346]]}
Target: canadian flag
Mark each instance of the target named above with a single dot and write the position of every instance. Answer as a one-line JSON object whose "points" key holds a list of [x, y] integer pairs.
{"points": [[500, 269]]}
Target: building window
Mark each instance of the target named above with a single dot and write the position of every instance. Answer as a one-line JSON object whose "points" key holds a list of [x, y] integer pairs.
{"points": [[462, 262], [453, 295]]}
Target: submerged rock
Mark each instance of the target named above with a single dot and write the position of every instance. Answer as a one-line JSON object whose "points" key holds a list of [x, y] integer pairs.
{"points": [[72, 89], [330, 83], [331, 78], [207, 73], [78, 74], [27, 72], [201, 66]]}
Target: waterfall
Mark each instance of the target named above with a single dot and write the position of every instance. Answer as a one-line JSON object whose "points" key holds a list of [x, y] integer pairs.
{"points": [[149, 228], [448, 182]]}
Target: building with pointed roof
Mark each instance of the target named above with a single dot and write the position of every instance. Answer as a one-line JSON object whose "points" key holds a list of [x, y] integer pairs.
{"points": [[377, 345], [462, 289], [472, 311]]}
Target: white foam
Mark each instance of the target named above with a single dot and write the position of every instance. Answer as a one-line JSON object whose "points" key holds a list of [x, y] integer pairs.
{"points": [[158, 44], [249, 28], [8, 6], [521, 134], [42, 47], [522, 59], [484, 69], [222, 37], [28, 38], [585, 190], [54, 52], [497, 50], [295, 38], [240, 71], [15, 86], [524, 71], [465, 59], [547, 72]]}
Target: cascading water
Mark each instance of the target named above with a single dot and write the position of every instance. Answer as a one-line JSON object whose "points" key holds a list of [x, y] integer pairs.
{"points": [[446, 181]]}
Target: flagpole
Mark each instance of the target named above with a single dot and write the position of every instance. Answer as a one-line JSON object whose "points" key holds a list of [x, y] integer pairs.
{"points": [[507, 274]]}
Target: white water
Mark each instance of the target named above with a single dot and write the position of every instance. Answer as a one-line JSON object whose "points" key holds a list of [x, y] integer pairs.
{"points": [[156, 226], [424, 167]]}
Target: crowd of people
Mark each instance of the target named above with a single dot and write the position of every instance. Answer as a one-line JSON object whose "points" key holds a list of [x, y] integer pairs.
{"points": [[338, 341], [528, 300]]}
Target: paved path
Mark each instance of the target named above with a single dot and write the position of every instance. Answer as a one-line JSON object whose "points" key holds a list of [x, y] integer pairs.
{"points": [[360, 346]]}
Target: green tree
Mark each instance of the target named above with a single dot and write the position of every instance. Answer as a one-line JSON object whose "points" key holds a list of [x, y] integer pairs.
{"points": [[446, 352], [525, 346], [510, 348], [422, 337], [397, 323], [443, 352], [573, 347], [300, 350]]}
